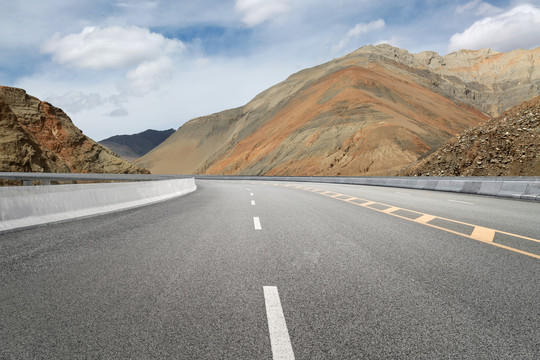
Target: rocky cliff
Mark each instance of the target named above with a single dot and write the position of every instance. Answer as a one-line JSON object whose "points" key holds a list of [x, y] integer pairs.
{"points": [[508, 145], [368, 113], [36, 136], [489, 80]]}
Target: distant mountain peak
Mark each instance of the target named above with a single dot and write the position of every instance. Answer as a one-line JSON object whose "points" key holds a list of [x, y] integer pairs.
{"points": [[131, 147]]}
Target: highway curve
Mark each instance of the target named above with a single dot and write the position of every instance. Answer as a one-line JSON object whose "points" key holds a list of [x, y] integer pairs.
{"points": [[276, 270]]}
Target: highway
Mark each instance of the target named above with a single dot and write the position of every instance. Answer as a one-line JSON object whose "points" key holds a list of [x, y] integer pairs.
{"points": [[277, 270]]}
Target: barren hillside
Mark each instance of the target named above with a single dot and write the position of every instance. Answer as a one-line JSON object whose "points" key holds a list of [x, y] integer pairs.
{"points": [[508, 145], [368, 113]]}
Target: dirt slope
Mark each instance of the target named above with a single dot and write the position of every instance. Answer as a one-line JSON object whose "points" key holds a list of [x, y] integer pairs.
{"points": [[508, 145], [368, 113], [36, 136]]}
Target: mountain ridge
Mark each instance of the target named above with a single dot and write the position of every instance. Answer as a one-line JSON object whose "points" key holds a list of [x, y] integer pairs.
{"points": [[354, 115]]}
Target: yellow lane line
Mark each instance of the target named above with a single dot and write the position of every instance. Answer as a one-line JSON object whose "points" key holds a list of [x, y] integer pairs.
{"points": [[479, 233], [424, 219], [523, 237], [483, 234], [485, 239]]}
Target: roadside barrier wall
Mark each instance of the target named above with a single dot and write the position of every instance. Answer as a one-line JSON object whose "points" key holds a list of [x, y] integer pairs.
{"points": [[527, 188], [30, 206]]}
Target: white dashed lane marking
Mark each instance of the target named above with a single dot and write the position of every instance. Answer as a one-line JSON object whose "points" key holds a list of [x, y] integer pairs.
{"points": [[279, 335], [257, 223], [252, 202], [460, 202]]}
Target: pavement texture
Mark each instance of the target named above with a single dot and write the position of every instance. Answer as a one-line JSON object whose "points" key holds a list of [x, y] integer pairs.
{"points": [[183, 279]]}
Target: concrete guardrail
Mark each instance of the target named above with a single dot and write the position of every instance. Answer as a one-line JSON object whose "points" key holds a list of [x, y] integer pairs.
{"points": [[526, 188], [24, 206], [45, 178]]}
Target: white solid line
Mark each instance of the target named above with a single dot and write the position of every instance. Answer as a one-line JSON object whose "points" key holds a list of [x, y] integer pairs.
{"points": [[402, 193], [461, 202], [257, 223], [279, 335], [251, 194], [252, 202]]}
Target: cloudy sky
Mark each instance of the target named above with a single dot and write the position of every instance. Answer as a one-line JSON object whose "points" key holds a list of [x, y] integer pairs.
{"points": [[121, 67]]}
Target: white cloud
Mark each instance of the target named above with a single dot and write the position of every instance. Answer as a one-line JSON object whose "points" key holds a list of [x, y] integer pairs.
{"points": [[143, 57], [117, 113], [147, 5], [516, 28], [148, 76], [362, 28], [112, 47], [481, 8], [75, 101], [486, 9], [357, 30], [468, 6], [394, 41], [255, 12]]}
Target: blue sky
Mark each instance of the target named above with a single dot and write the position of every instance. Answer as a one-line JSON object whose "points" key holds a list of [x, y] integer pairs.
{"points": [[121, 66]]}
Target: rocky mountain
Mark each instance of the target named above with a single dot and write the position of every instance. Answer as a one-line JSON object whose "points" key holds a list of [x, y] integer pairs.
{"points": [[508, 145], [131, 147], [36, 136], [490, 81], [368, 113]]}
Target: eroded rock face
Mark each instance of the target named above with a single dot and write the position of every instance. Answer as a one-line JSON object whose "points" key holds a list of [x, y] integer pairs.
{"points": [[18, 152], [508, 145], [36, 136], [489, 80]]}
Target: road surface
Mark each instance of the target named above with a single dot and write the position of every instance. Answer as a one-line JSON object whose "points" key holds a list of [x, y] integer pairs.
{"points": [[275, 270]]}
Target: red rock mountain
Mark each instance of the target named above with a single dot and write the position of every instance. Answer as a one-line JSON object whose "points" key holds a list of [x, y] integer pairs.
{"points": [[368, 113], [36, 136], [508, 145]]}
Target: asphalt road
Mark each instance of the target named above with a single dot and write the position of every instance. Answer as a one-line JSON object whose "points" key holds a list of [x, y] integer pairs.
{"points": [[317, 273]]}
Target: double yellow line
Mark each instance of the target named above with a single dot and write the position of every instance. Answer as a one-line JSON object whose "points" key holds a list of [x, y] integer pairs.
{"points": [[471, 231]]}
